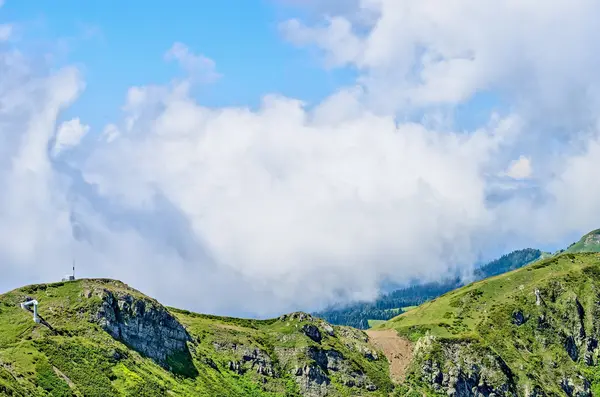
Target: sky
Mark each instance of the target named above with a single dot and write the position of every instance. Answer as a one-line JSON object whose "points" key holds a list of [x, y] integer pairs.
{"points": [[262, 156]]}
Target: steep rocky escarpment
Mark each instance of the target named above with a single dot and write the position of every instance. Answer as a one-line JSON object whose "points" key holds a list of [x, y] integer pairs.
{"points": [[461, 369], [144, 325], [247, 359], [322, 367]]}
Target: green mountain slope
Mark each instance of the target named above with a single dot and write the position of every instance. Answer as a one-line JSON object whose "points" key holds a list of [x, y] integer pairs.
{"points": [[102, 338], [530, 332], [390, 305], [588, 243]]}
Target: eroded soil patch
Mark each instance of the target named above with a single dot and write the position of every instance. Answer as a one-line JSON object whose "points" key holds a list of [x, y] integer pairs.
{"points": [[398, 350]]}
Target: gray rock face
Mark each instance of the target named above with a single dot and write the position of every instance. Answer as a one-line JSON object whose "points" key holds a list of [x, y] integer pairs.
{"points": [[535, 392], [591, 347], [353, 333], [249, 359], [300, 316], [592, 239], [463, 369], [314, 377], [143, 325], [571, 348], [327, 328], [320, 371], [313, 381], [329, 360], [369, 354], [519, 318], [312, 331], [579, 387], [333, 361]]}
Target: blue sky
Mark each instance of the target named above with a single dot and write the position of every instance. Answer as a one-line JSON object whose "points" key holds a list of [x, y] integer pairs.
{"points": [[119, 44]]}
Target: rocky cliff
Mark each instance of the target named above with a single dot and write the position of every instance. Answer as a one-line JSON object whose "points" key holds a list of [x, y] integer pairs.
{"points": [[143, 325], [322, 360], [461, 368]]}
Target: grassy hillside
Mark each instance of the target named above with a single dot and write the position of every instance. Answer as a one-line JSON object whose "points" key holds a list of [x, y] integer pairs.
{"points": [[362, 315], [588, 243], [532, 331], [103, 338]]}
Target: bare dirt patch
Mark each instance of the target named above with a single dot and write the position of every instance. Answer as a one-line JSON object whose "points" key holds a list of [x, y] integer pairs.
{"points": [[398, 350]]}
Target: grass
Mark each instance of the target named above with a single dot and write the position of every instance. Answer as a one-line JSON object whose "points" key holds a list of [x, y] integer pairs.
{"points": [[48, 380], [457, 313], [374, 323], [408, 308]]}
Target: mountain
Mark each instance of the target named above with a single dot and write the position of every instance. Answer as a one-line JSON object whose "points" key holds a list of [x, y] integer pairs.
{"points": [[508, 262], [531, 332], [588, 243], [361, 315], [103, 338]]}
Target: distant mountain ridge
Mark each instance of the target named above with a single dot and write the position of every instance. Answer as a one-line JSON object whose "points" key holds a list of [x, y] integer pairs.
{"points": [[508, 262], [390, 305]]}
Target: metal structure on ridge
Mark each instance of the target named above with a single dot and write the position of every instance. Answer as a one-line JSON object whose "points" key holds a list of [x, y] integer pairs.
{"points": [[33, 303]]}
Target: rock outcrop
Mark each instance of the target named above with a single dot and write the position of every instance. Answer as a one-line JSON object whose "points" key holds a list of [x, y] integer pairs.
{"points": [[143, 325], [578, 387], [316, 366], [248, 358], [314, 377], [312, 380], [312, 331], [461, 369]]}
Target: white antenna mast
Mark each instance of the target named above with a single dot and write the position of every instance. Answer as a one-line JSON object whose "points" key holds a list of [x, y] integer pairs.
{"points": [[70, 277]]}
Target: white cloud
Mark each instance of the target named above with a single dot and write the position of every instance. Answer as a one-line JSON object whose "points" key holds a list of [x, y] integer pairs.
{"points": [[34, 229], [290, 206], [5, 31], [199, 67], [110, 133], [280, 199], [336, 36], [69, 135], [520, 169], [435, 52]]}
